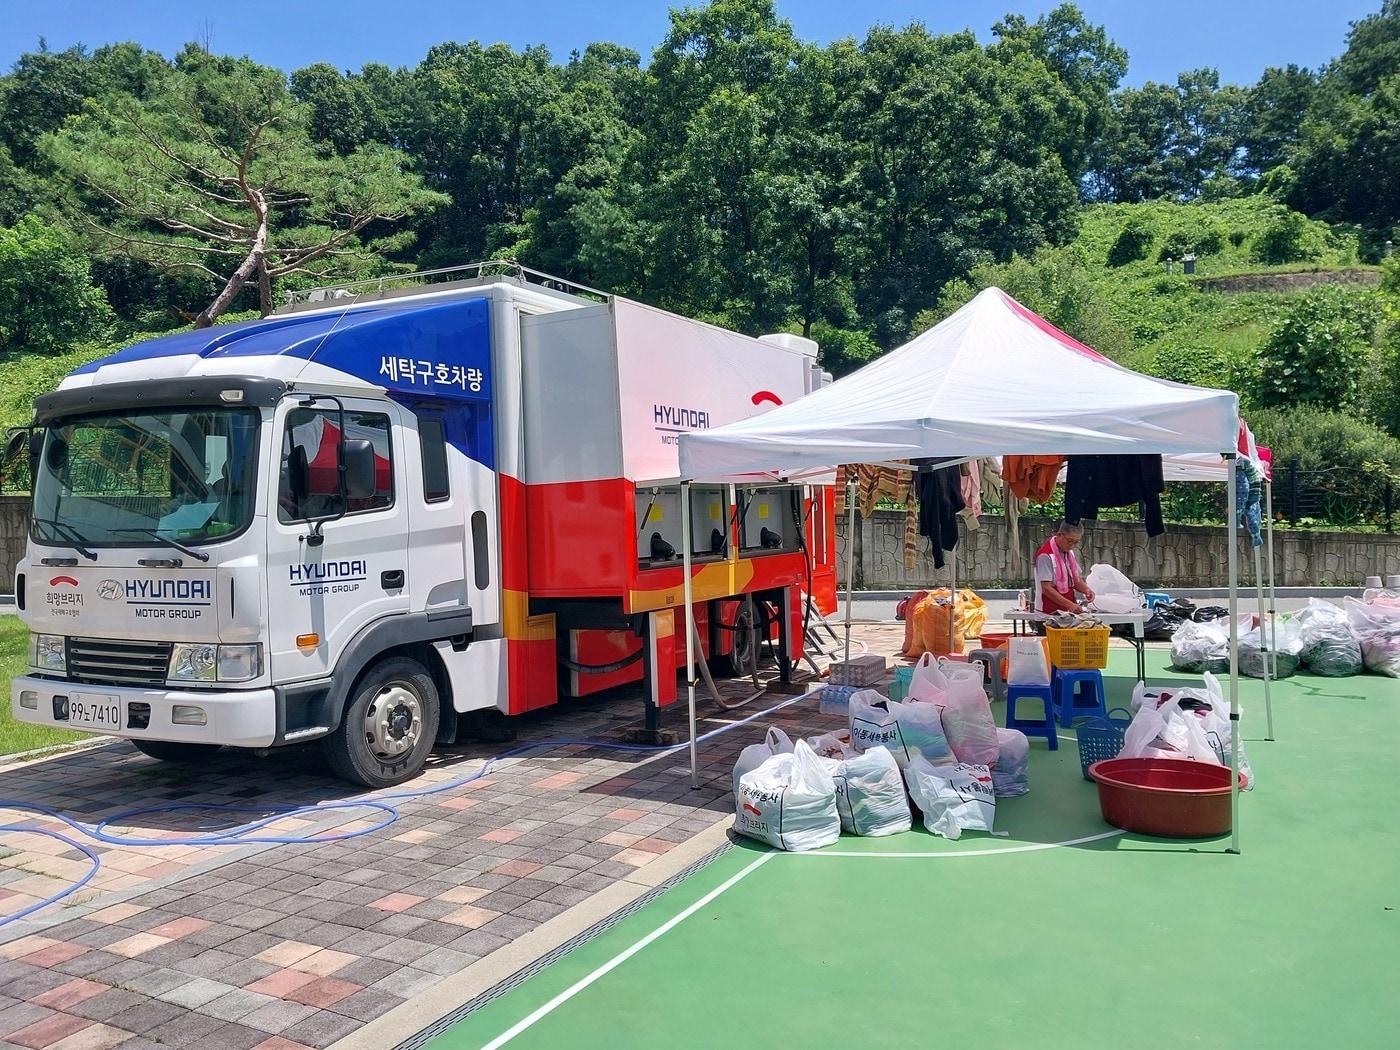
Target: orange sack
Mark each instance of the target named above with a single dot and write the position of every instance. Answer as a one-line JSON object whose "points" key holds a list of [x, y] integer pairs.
{"points": [[927, 622]]}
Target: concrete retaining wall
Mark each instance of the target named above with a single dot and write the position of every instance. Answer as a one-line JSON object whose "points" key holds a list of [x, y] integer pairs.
{"points": [[1186, 556]]}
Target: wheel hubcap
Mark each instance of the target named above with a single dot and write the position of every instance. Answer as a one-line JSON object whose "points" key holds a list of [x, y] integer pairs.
{"points": [[394, 721]]}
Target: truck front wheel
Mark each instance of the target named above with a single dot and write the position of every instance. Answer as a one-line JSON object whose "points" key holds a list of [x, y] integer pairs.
{"points": [[389, 726]]}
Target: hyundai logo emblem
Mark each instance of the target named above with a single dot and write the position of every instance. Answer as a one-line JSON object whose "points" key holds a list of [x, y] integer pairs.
{"points": [[112, 590]]}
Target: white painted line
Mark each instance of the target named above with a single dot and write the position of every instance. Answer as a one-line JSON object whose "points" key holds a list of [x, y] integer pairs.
{"points": [[617, 960], [954, 854]]}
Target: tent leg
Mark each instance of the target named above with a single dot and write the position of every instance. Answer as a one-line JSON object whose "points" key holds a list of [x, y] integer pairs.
{"points": [[850, 560], [1273, 594], [1232, 560], [952, 595], [1264, 633], [691, 633]]}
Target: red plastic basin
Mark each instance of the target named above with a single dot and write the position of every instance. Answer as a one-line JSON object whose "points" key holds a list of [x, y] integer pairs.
{"points": [[1167, 797]]}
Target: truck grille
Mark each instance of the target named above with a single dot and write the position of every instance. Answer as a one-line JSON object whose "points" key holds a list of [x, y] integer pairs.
{"points": [[111, 662]]}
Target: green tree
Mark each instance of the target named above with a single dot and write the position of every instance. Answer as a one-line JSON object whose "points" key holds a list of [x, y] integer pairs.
{"points": [[1320, 351], [216, 174], [47, 299], [1274, 112]]}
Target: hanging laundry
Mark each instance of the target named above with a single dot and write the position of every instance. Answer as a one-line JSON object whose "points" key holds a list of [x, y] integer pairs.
{"points": [[896, 486], [1032, 477], [971, 493], [1249, 494], [940, 500], [1115, 481], [995, 490]]}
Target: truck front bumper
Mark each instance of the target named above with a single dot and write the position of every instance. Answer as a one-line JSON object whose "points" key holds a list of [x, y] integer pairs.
{"points": [[237, 718]]}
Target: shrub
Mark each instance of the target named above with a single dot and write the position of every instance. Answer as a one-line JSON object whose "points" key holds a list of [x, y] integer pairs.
{"points": [[1292, 237], [1134, 243], [47, 298], [1318, 354], [1238, 237], [1199, 364]]}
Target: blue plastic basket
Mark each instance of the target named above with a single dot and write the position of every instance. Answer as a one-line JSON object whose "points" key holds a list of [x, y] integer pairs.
{"points": [[903, 679], [1101, 738]]}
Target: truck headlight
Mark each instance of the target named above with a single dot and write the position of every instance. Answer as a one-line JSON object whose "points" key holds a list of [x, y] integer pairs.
{"points": [[206, 662], [47, 653]]}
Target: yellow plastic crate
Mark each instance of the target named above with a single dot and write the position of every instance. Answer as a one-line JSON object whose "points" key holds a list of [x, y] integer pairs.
{"points": [[1077, 648]]}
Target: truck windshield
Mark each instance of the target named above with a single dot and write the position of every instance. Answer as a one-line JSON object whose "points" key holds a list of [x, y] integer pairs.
{"points": [[118, 480]]}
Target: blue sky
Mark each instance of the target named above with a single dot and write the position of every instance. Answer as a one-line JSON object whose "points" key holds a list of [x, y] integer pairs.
{"points": [[1239, 37]]}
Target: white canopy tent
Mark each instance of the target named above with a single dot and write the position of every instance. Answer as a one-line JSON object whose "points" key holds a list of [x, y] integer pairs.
{"points": [[992, 379]]}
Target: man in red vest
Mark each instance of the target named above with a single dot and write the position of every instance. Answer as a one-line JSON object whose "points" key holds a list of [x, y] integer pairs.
{"points": [[1057, 577]]}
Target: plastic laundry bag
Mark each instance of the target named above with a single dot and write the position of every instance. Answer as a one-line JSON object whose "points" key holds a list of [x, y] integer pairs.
{"points": [[1377, 628], [953, 799], [789, 802], [910, 728], [1011, 775], [1201, 647], [1287, 646], [931, 617], [928, 681], [1330, 647], [1027, 662], [870, 798], [1113, 592], [968, 723], [775, 742], [833, 745]]}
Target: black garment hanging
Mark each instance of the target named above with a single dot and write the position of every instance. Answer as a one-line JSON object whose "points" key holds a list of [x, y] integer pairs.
{"points": [[1115, 481], [940, 499]]}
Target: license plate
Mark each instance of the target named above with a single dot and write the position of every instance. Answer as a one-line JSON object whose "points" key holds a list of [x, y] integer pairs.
{"points": [[94, 711]]}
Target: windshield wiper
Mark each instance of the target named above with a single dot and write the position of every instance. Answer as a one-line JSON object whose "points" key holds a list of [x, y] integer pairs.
{"points": [[75, 538], [155, 535]]}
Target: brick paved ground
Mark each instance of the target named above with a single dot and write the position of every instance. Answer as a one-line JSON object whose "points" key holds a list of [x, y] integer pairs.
{"points": [[287, 946]]}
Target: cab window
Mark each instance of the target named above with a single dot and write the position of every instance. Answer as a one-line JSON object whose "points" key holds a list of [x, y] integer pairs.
{"points": [[309, 483]]}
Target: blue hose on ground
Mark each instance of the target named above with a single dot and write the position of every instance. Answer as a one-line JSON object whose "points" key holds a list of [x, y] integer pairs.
{"points": [[246, 834]]}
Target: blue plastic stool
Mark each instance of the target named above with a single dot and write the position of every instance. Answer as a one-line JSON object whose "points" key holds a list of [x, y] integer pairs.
{"points": [[1156, 598], [1078, 693], [1030, 726]]}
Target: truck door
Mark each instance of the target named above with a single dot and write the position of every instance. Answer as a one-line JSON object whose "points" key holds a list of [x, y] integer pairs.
{"points": [[440, 513], [320, 597]]}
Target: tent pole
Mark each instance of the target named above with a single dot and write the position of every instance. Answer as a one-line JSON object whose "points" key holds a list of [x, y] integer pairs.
{"points": [[1268, 645], [850, 559], [952, 591], [1273, 594], [691, 633], [1232, 562]]}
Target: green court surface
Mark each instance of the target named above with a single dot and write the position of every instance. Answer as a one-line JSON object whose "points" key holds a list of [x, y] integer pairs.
{"points": [[1014, 942]]}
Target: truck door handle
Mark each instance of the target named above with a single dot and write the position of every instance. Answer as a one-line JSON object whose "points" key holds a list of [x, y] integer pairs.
{"points": [[391, 579]]}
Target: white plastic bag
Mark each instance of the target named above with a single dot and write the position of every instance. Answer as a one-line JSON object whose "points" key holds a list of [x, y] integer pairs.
{"points": [[1011, 776], [1113, 592], [832, 745], [1201, 647], [906, 729], [929, 683], [789, 802], [870, 797], [953, 799], [1287, 646], [1330, 646], [1377, 628], [775, 742], [968, 723], [1027, 662]]}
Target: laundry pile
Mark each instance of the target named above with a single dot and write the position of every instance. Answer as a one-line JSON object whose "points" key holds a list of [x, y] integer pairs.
{"points": [[1183, 723], [938, 753]]}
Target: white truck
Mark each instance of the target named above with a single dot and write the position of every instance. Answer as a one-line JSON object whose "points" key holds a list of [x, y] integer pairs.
{"points": [[383, 508]]}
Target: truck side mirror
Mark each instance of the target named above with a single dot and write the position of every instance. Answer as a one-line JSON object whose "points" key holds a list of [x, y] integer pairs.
{"points": [[36, 450], [359, 468]]}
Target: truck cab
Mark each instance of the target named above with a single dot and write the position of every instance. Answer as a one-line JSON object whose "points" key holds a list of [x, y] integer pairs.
{"points": [[378, 510]]}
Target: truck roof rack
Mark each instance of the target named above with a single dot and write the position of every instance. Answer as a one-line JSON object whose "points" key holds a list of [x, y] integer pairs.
{"points": [[463, 273]]}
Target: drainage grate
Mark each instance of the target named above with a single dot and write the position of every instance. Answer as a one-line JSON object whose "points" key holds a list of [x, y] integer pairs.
{"points": [[523, 974]]}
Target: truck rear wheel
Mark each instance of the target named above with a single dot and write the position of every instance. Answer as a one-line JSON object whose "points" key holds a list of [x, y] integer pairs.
{"points": [[389, 726], [740, 660], [175, 751]]}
